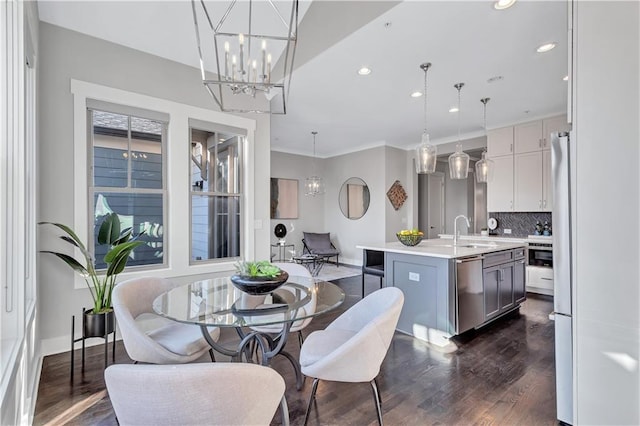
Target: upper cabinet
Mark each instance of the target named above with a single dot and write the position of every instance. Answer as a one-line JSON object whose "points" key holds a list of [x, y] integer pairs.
{"points": [[528, 137], [500, 142], [522, 176]]}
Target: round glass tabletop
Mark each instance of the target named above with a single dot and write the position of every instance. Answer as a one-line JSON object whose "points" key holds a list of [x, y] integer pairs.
{"points": [[217, 302]]}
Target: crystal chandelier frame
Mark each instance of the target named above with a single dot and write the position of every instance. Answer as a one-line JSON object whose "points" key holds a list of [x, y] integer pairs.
{"points": [[246, 84]]}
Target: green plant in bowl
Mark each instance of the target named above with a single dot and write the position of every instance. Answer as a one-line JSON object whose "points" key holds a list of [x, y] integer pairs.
{"points": [[261, 268], [258, 277]]}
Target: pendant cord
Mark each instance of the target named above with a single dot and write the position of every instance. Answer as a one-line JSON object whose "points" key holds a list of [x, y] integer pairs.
{"points": [[459, 87], [425, 100]]}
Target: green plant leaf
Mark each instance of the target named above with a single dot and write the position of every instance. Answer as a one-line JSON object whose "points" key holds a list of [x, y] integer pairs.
{"points": [[119, 262], [69, 231], [109, 230], [116, 250], [124, 237], [77, 266]]}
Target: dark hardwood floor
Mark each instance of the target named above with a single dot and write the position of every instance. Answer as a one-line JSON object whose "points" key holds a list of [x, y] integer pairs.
{"points": [[502, 374]]}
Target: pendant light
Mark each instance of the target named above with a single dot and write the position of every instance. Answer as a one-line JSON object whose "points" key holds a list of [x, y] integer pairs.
{"points": [[484, 167], [314, 185], [458, 161], [425, 152]]}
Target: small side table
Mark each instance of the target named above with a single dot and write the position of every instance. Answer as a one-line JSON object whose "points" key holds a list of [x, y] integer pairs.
{"points": [[313, 262], [282, 251]]}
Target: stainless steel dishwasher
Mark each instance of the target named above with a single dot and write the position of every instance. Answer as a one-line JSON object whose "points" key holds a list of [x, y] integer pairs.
{"points": [[469, 288]]}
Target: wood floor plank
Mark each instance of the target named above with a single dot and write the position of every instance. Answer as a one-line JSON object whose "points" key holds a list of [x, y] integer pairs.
{"points": [[502, 374]]}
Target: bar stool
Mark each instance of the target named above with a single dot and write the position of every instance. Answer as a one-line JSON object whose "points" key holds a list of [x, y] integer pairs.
{"points": [[372, 264]]}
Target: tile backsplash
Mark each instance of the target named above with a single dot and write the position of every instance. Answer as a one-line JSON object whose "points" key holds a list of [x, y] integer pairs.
{"points": [[521, 224]]}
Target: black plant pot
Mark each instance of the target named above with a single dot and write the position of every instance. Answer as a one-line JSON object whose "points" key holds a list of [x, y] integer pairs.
{"points": [[98, 325], [259, 285]]}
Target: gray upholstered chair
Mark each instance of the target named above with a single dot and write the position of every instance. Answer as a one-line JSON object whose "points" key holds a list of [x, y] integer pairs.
{"points": [[150, 338], [353, 346], [321, 245], [195, 394], [372, 264]]}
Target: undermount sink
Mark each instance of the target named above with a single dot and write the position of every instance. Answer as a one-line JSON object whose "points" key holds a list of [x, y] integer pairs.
{"points": [[469, 245]]}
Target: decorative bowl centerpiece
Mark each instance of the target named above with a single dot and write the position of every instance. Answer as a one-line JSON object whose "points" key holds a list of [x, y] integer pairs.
{"points": [[410, 237], [258, 278]]}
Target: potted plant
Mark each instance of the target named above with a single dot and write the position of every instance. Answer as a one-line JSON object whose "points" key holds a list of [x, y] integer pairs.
{"points": [[100, 320], [258, 277]]}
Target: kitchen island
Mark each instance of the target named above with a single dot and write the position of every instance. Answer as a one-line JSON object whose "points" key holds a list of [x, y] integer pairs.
{"points": [[451, 288]]}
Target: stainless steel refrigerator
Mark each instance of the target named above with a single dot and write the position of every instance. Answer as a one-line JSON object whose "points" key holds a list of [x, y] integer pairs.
{"points": [[563, 178]]}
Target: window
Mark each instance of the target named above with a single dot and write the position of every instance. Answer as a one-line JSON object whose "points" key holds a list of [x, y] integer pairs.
{"points": [[216, 194], [127, 176]]}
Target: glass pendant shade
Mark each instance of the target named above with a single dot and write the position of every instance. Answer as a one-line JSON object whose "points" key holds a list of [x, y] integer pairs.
{"points": [[458, 164], [426, 155], [484, 169], [313, 186]]}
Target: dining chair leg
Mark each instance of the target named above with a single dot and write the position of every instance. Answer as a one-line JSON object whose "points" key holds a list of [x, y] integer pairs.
{"points": [[212, 355], [376, 396], [300, 338], [363, 274], [284, 408], [314, 388]]}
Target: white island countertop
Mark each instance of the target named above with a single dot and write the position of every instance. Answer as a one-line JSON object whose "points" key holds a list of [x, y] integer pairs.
{"points": [[444, 248]]}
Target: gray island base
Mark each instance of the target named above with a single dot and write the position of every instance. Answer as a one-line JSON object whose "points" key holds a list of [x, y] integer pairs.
{"points": [[450, 289]]}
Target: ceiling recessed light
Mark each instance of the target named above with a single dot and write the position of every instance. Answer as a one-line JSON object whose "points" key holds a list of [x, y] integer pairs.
{"points": [[494, 79], [545, 47], [503, 4], [364, 71], [453, 109], [416, 94], [565, 78]]}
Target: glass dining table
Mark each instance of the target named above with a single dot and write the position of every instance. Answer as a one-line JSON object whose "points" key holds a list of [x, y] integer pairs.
{"points": [[262, 322]]}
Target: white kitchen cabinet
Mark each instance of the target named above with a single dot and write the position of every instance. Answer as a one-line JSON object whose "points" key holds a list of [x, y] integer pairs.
{"points": [[528, 137], [528, 182], [534, 136], [540, 280], [500, 189], [532, 182], [522, 177], [500, 142]]}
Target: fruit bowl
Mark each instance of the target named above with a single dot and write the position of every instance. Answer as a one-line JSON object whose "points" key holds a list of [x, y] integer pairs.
{"points": [[409, 239]]}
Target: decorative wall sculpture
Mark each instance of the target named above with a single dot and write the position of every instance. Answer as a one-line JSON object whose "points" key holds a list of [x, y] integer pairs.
{"points": [[396, 195]]}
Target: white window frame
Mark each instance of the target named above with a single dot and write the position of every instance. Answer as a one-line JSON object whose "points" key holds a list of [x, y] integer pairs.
{"points": [[177, 217]]}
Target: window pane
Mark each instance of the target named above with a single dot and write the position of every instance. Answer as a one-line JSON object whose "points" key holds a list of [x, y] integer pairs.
{"points": [[146, 153], [227, 173], [110, 149], [137, 211], [215, 227]]}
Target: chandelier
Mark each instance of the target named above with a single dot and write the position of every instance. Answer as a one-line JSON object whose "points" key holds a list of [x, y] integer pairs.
{"points": [[425, 152], [484, 167], [458, 161], [314, 185], [248, 35]]}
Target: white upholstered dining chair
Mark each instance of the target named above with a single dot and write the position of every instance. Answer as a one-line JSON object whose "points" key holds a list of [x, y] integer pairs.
{"points": [[151, 338], [353, 346], [196, 394]]}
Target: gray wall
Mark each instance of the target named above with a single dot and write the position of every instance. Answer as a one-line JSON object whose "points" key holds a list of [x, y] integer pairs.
{"points": [[396, 169], [64, 55], [607, 291], [346, 233], [310, 209]]}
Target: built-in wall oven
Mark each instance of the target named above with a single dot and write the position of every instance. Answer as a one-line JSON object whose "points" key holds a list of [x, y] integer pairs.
{"points": [[540, 254], [540, 265]]}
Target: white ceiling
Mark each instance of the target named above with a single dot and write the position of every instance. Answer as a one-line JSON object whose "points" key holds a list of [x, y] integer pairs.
{"points": [[466, 42]]}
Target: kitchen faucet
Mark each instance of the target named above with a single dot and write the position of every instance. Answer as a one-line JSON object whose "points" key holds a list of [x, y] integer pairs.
{"points": [[455, 228]]}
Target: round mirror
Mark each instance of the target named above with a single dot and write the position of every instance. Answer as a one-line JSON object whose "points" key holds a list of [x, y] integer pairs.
{"points": [[354, 198]]}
